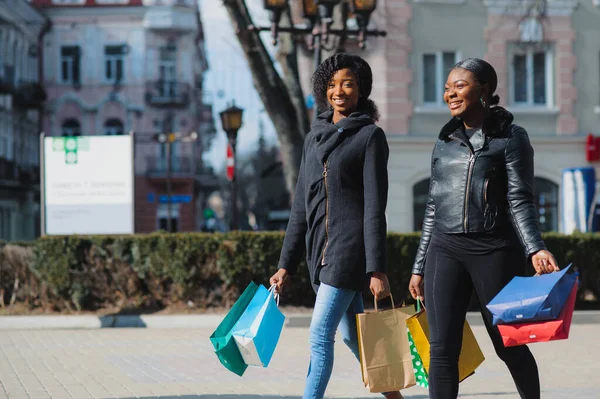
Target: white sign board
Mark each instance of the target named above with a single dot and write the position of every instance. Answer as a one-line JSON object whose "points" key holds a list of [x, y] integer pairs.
{"points": [[88, 185]]}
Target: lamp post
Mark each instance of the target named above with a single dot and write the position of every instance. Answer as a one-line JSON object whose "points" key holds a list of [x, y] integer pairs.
{"points": [[318, 15], [168, 139], [231, 121]]}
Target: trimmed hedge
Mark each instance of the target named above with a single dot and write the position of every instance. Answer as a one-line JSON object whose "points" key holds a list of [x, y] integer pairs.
{"points": [[150, 272]]}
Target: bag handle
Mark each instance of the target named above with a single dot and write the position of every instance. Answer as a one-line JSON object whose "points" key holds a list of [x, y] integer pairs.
{"points": [[275, 294], [420, 304], [375, 301]]}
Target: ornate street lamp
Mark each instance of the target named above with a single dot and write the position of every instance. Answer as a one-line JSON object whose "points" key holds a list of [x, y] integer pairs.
{"points": [[319, 15], [276, 8], [231, 121], [309, 11], [363, 10]]}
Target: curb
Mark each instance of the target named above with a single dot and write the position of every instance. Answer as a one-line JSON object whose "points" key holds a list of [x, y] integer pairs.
{"points": [[293, 320]]}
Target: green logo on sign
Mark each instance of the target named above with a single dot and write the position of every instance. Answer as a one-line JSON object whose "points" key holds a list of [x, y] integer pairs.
{"points": [[71, 147]]}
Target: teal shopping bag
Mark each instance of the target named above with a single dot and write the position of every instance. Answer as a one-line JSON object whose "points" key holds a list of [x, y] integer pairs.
{"points": [[258, 330], [222, 340]]}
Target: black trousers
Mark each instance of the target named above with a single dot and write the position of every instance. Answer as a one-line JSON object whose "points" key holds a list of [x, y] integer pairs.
{"points": [[451, 275]]}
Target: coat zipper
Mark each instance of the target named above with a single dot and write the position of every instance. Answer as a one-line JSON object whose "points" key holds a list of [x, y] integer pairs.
{"points": [[469, 175], [326, 213]]}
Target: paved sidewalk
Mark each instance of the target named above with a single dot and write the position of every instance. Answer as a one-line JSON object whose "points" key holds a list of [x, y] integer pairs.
{"points": [[179, 363], [62, 322]]}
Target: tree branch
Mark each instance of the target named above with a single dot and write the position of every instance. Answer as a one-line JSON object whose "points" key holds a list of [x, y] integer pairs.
{"points": [[272, 91]]}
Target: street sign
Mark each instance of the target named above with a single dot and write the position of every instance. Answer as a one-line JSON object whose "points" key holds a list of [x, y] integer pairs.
{"points": [[175, 199], [230, 163], [79, 196]]}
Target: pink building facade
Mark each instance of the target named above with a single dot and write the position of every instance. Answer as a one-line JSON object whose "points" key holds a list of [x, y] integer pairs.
{"points": [[134, 67]]}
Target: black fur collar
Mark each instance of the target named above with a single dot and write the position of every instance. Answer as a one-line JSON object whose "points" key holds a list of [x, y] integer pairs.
{"points": [[495, 125]]}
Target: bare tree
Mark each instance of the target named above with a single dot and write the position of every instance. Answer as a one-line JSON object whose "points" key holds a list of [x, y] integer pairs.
{"points": [[282, 97]]}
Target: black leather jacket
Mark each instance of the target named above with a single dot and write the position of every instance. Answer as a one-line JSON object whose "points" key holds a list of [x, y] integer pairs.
{"points": [[482, 184]]}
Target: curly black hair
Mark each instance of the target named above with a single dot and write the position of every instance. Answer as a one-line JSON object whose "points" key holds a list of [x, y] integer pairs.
{"points": [[359, 67]]}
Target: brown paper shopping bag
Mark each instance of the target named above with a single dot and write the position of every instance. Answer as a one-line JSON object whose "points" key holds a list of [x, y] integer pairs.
{"points": [[385, 358], [471, 356]]}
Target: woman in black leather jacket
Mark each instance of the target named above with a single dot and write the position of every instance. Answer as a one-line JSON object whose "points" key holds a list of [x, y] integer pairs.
{"points": [[480, 216]]}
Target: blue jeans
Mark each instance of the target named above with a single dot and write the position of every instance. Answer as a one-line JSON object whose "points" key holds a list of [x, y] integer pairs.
{"points": [[334, 308]]}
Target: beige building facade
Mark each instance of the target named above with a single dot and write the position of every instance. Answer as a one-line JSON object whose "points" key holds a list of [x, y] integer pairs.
{"points": [[548, 64]]}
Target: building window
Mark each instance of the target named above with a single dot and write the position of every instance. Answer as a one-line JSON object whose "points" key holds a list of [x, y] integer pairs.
{"points": [[163, 215], [6, 223], [70, 64], [71, 127], [420, 196], [167, 70], [546, 202], [436, 67], [531, 73], [114, 63], [113, 127]]}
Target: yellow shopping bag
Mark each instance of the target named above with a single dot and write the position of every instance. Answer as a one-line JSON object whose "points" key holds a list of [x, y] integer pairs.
{"points": [[471, 356], [385, 358]]}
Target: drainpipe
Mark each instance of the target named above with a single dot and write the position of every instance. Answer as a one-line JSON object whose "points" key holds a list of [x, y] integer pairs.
{"points": [[47, 27]]}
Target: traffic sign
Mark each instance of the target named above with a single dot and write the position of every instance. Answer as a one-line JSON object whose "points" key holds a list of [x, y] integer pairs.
{"points": [[230, 163]]}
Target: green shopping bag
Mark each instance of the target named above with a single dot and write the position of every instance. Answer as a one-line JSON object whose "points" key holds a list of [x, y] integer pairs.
{"points": [[222, 340], [418, 367]]}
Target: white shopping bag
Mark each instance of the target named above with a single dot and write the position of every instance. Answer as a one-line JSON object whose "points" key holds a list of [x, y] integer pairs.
{"points": [[258, 330]]}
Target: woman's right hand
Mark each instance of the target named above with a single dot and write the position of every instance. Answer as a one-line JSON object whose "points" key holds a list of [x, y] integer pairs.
{"points": [[416, 286], [278, 279]]}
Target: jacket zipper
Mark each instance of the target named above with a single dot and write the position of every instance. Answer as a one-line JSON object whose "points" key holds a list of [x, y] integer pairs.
{"points": [[485, 187], [326, 213], [469, 175]]}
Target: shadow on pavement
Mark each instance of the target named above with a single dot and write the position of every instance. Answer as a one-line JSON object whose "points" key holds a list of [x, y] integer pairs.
{"points": [[122, 321], [237, 396]]}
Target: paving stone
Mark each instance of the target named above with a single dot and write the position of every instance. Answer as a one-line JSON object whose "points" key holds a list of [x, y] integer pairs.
{"points": [[179, 363]]}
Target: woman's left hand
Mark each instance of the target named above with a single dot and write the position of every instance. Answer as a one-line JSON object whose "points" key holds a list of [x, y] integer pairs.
{"points": [[380, 286], [543, 262]]}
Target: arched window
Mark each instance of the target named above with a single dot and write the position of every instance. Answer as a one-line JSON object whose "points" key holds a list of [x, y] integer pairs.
{"points": [[113, 127], [71, 127], [420, 194], [546, 202]]}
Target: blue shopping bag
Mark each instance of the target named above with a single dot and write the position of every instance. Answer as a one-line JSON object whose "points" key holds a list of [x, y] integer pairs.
{"points": [[538, 298], [258, 330]]}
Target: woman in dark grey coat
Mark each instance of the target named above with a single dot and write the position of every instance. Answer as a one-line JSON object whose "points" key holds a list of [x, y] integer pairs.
{"points": [[338, 214]]}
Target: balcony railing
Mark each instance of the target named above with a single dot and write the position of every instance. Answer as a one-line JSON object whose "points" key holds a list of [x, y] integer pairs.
{"points": [[29, 95], [180, 167], [167, 94]]}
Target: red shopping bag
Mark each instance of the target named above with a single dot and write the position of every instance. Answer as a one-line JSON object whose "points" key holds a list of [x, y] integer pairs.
{"points": [[541, 331]]}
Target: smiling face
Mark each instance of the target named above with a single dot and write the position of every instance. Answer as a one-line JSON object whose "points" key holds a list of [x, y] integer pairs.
{"points": [[463, 93], [342, 92]]}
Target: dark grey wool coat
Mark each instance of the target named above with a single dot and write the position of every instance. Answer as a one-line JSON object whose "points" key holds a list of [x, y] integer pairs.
{"points": [[338, 214]]}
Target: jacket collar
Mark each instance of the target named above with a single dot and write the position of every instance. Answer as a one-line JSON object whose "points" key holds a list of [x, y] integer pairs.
{"points": [[495, 125], [328, 136]]}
